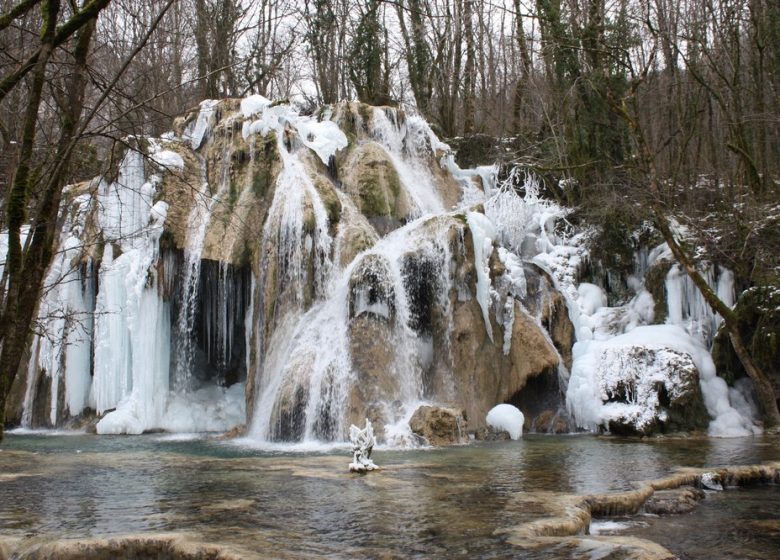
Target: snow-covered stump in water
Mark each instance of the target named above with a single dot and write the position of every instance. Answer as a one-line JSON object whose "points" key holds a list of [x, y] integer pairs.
{"points": [[363, 442]]}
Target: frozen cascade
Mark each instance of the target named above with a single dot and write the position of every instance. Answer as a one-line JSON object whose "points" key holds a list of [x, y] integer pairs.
{"points": [[311, 352], [406, 143], [197, 224], [688, 308], [132, 328], [62, 350]]}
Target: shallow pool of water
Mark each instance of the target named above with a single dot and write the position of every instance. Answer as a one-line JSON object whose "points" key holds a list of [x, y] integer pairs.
{"points": [[739, 523], [448, 502]]}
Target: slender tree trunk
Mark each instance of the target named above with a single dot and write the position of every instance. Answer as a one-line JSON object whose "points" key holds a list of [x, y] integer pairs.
{"points": [[469, 71], [525, 70], [26, 280]]}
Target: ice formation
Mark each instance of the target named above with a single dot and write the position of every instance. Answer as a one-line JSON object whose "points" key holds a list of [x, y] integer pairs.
{"points": [[508, 418], [607, 336], [363, 442], [482, 233], [132, 360], [618, 347]]}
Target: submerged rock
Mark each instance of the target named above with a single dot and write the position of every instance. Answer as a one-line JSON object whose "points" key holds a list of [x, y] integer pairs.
{"points": [[680, 500], [163, 546], [492, 434], [439, 425]]}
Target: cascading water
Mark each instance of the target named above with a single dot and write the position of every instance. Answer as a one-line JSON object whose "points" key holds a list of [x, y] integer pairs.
{"points": [[197, 224], [314, 358], [342, 310], [406, 142]]}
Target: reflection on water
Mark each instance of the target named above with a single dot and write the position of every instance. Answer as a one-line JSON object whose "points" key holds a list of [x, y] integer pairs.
{"points": [[423, 503]]}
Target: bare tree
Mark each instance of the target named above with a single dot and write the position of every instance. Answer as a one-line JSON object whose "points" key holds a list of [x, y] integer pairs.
{"points": [[59, 76]]}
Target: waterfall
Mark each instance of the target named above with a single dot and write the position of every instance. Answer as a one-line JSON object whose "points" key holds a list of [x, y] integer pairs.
{"points": [[197, 225], [310, 355], [307, 372], [294, 295], [407, 143]]}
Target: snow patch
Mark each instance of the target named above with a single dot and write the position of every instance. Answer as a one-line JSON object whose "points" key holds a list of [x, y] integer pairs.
{"points": [[508, 418]]}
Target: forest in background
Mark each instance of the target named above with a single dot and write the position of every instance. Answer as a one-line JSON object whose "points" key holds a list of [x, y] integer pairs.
{"points": [[632, 111], [532, 82]]}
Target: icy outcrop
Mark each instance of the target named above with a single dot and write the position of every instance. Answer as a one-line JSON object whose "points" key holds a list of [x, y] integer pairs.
{"points": [[363, 442], [628, 374], [508, 418], [299, 274], [630, 384], [482, 233]]}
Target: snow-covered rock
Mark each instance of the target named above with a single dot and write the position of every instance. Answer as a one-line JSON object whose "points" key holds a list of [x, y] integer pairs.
{"points": [[650, 378], [507, 418]]}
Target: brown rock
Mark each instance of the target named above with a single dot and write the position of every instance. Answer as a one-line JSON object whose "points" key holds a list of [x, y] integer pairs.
{"points": [[174, 546], [680, 500], [439, 425], [491, 434], [551, 422]]}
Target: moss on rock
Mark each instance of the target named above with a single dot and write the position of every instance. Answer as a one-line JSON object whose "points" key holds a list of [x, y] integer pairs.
{"points": [[373, 182], [655, 283], [758, 316]]}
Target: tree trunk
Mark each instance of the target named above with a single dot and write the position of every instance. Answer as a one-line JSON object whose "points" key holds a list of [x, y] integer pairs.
{"points": [[469, 71], [525, 71], [27, 276]]}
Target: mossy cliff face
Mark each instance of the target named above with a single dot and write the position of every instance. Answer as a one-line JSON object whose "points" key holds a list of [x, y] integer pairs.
{"points": [[372, 181], [258, 199], [758, 316]]}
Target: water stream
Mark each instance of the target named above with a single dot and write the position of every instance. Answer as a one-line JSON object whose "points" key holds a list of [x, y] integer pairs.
{"points": [[445, 503]]}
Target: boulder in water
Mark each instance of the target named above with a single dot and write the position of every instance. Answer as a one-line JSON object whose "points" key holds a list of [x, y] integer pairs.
{"points": [[679, 500], [439, 425]]}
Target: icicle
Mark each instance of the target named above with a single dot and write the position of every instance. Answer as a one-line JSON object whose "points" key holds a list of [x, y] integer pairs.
{"points": [[688, 309], [482, 233]]}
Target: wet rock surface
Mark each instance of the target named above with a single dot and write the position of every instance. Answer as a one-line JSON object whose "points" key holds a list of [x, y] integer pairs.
{"points": [[439, 425], [680, 500]]}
